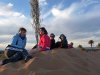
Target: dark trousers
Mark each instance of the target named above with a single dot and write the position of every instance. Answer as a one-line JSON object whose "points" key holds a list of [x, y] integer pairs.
{"points": [[57, 44], [14, 56]]}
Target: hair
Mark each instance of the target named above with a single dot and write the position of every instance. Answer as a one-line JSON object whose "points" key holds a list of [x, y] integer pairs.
{"points": [[44, 30], [62, 35], [52, 35], [71, 43], [22, 29]]}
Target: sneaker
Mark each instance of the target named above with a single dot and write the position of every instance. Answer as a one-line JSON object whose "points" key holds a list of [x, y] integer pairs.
{"points": [[28, 58]]}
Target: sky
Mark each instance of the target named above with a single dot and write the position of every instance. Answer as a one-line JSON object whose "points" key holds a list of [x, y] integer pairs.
{"points": [[79, 20]]}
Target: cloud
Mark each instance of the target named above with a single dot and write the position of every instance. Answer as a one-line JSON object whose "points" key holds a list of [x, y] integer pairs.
{"points": [[10, 22], [10, 18], [79, 22], [43, 2], [63, 13]]}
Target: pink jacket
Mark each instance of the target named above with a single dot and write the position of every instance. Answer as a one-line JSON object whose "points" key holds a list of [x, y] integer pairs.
{"points": [[44, 42]]}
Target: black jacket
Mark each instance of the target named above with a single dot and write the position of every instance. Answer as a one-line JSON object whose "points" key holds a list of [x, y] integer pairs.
{"points": [[52, 43]]}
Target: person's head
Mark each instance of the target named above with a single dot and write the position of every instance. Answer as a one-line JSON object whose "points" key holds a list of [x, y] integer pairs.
{"points": [[71, 43], [52, 36], [43, 31], [22, 31], [62, 37]]}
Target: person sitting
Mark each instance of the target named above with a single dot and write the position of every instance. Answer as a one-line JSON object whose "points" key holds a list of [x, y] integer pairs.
{"points": [[52, 36], [70, 45], [63, 43], [44, 42], [16, 51]]}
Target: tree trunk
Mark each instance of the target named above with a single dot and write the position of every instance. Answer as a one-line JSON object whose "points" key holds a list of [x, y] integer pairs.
{"points": [[91, 45]]}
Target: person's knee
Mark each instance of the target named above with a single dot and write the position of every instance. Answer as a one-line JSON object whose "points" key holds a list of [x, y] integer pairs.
{"points": [[9, 53], [17, 56], [19, 53]]}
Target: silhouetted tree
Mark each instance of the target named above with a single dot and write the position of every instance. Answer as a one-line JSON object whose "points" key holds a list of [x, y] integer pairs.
{"points": [[91, 42], [80, 46], [98, 45]]}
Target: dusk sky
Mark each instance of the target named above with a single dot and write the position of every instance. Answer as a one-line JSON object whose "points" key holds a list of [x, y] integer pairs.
{"points": [[79, 20]]}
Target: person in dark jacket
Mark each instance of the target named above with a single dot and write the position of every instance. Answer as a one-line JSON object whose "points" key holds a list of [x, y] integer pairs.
{"points": [[52, 36], [63, 43], [16, 51]]}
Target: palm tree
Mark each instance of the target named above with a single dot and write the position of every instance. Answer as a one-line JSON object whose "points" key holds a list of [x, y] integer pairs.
{"points": [[35, 13], [91, 42]]}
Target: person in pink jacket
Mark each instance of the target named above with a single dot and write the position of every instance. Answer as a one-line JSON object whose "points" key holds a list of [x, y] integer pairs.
{"points": [[44, 42]]}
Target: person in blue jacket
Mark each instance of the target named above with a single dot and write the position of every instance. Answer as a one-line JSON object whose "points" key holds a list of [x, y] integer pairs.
{"points": [[16, 51]]}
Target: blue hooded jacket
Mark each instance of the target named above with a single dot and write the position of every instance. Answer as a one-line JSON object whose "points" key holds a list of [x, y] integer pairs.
{"points": [[19, 42]]}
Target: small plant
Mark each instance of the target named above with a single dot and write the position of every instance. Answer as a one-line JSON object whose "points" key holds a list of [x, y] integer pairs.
{"points": [[81, 47], [98, 46]]}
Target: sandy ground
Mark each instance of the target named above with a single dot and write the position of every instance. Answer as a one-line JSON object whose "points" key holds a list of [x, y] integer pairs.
{"points": [[57, 62]]}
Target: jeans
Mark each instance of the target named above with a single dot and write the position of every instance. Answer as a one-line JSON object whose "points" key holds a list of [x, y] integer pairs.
{"points": [[14, 56]]}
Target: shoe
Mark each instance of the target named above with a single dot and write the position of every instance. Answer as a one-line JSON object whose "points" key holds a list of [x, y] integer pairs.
{"points": [[28, 58]]}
